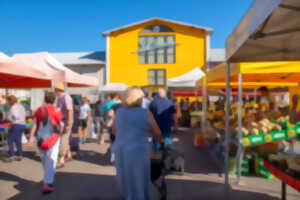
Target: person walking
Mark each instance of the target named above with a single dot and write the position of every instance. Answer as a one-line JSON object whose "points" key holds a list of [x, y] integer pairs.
{"points": [[164, 113], [84, 120], [178, 114], [146, 100], [110, 109], [99, 118], [65, 104], [132, 126], [48, 125], [16, 115]]}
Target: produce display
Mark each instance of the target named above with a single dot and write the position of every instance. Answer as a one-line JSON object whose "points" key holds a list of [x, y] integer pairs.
{"points": [[263, 126], [271, 126]]}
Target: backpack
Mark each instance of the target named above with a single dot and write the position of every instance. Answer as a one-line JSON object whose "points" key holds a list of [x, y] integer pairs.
{"points": [[48, 118]]}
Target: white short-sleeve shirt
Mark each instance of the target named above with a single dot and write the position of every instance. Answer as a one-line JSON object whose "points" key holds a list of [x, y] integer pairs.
{"points": [[84, 110]]}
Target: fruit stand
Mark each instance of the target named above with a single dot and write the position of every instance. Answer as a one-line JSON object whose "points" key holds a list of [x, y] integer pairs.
{"points": [[255, 75], [266, 33]]}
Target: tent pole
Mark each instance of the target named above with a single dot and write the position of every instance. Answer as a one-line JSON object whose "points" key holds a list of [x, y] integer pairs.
{"points": [[239, 156], [204, 105], [227, 109], [6, 101], [255, 94]]}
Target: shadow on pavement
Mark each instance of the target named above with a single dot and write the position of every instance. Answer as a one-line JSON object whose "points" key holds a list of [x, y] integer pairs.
{"points": [[93, 157], [79, 186], [197, 160], [33, 155]]}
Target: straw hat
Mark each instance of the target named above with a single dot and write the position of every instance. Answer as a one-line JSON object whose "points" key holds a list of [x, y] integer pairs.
{"points": [[133, 97], [60, 86]]}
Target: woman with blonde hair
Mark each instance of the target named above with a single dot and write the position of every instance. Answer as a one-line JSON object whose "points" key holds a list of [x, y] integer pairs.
{"points": [[133, 126]]}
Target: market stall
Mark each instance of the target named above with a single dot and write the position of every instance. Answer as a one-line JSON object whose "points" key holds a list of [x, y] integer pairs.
{"points": [[186, 80], [268, 32], [16, 74], [47, 63], [56, 71], [38, 70]]}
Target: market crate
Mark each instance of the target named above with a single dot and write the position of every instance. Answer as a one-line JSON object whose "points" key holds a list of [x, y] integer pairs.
{"points": [[292, 130], [245, 169], [252, 140], [260, 169], [278, 135]]}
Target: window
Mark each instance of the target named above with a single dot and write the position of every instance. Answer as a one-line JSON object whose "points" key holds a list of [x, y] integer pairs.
{"points": [[157, 77], [157, 29], [157, 49]]}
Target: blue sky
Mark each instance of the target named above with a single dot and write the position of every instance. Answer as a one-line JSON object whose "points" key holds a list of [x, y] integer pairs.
{"points": [[76, 25]]}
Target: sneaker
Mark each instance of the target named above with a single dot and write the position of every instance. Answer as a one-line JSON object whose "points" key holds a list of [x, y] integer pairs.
{"points": [[18, 158], [9, 159], [47, 190]]}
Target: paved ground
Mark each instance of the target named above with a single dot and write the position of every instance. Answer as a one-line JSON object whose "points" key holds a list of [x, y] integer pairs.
{"points": [[91, 177]]}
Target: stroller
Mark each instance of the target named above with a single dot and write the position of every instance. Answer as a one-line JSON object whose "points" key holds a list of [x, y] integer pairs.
{"points": [[170, 161]]}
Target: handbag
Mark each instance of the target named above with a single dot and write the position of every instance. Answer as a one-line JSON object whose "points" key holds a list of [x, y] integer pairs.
{"points": [[48, 116], [49, 142]]}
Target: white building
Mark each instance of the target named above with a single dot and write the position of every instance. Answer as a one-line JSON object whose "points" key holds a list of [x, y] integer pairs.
{"points": [[215, 57], [85, 63]]}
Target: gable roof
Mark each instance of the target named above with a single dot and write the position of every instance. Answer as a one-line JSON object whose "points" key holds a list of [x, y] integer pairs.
{"points": [[73, 58], [207, 30]]}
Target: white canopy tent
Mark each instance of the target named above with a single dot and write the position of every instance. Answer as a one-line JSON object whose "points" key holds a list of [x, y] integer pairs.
{"points": [[188, 79], [113, 87], [46, 62], [270, 31]]}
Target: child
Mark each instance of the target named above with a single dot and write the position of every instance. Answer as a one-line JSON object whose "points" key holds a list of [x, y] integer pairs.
{"points": [[84, 120]]}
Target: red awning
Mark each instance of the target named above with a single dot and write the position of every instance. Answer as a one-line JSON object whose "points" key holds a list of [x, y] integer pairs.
{"points": [[233, 93]]}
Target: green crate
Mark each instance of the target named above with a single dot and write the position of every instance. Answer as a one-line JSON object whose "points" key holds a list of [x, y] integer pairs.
{"points": [[292, 130], [260, 169], [245, 169], [279, 135], [263, 172]]}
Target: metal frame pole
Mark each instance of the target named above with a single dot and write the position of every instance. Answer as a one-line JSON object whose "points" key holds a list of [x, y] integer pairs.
{"points": [[240, 148], [283, 191], [255, 95], [6, 101], [204, 105], [227, 129]]}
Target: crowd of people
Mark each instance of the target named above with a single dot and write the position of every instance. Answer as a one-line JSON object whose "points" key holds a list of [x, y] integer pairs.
{"points": [[129, 119]]}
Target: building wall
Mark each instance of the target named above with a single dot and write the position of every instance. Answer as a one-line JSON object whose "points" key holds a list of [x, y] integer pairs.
{"points": [[123, 63], [92, 93]]}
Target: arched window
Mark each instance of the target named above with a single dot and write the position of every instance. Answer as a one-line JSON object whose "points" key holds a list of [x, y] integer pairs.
{"points": [[157, 29]]}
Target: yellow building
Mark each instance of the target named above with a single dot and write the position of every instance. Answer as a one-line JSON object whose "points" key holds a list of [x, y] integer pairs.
{"points": [[149, 52]]}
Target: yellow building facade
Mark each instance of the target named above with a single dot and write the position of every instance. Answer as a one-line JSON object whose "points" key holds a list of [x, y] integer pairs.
{"points": [[150, 52]]}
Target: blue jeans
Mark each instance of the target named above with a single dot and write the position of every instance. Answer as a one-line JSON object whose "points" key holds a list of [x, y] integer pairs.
{"points": [[15, 136], [167, 139]]}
